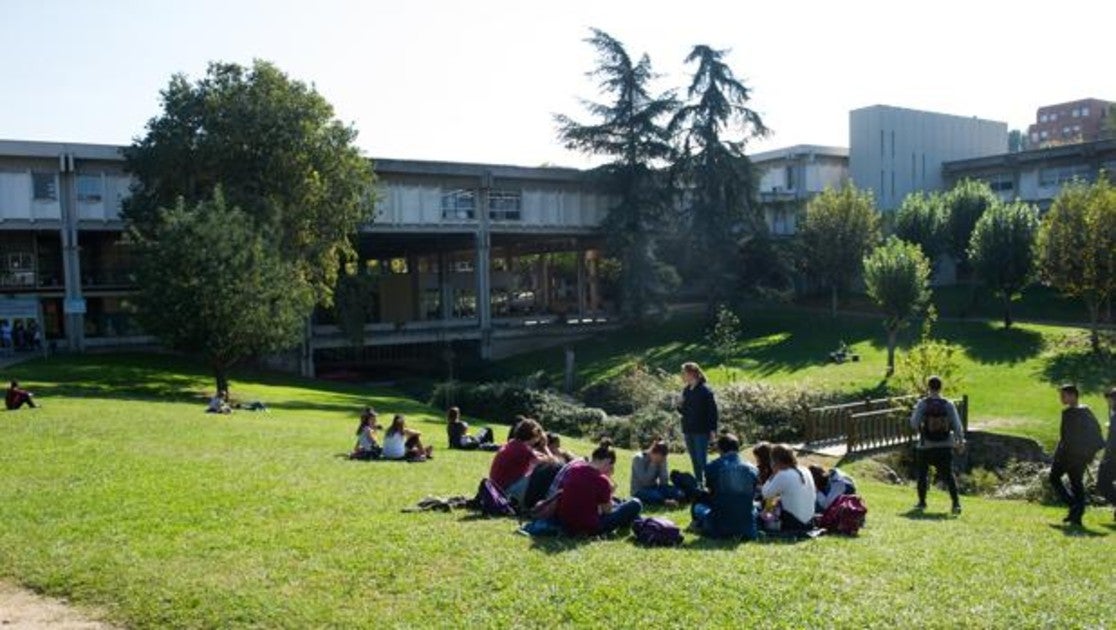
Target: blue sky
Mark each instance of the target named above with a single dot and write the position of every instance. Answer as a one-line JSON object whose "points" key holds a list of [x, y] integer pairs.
{"points": [[480, 80]]}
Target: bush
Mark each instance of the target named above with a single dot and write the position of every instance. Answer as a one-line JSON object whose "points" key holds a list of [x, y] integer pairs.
{"points": [[758, 411], [502, 402], [633, 389], [639, 429], [931, 357]]}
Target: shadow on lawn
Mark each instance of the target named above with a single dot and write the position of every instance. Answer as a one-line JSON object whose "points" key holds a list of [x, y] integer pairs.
{"points": [[1074, 531], [1088, 370], [988, 342], [923, 515]]}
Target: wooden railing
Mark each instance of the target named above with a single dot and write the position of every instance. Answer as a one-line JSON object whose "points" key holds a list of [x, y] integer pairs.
{"points": [[870, 424]]}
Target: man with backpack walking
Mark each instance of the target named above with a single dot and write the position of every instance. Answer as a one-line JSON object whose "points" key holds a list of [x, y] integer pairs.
{"points": [[939, 433], [1080, 439]]}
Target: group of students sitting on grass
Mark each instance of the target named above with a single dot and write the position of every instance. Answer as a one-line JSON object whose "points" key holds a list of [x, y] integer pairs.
{"points": [[400, 442]]}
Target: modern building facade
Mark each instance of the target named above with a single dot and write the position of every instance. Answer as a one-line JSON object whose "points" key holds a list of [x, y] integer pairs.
{"points": [[487, 255], [789, 177], [1066, 123], [1036, 176], [894, 151]]}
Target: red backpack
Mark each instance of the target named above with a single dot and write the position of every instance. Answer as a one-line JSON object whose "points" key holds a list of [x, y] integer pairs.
{"points": [[845, 515]]}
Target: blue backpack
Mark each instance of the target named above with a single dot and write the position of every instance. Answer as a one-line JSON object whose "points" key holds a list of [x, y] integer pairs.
{"points": [[656, 532], [491, 501]]}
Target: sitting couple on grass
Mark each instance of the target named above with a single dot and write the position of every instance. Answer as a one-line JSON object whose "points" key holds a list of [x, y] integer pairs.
{"points": [[789, 494], [400, 443]]}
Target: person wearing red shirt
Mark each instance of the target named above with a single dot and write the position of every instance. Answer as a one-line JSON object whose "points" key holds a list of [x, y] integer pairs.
{"points": [[585, 506], [17, 397], [512, 465]]}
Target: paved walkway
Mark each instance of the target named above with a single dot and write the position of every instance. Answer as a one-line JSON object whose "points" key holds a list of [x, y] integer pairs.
{"points": [[23, 609]]}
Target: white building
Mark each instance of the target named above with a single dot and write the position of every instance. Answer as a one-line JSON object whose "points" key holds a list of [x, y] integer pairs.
{"points": [[895, 151], [789, 177]]}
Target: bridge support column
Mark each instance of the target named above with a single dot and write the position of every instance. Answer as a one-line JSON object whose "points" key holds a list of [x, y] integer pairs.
{"points": [[581, 273]]}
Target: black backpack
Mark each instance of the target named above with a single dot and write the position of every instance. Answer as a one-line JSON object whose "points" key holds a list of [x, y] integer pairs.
{"points": [[936, 424]]}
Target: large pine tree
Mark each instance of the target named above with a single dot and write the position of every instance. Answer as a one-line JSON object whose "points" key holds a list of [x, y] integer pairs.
{"points": [[629, 131]]}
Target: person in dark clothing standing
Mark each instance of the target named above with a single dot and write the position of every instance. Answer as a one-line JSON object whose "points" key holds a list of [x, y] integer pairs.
{"points": [[699, 417], [939, 433], [1106, 476], [1080, 440]]}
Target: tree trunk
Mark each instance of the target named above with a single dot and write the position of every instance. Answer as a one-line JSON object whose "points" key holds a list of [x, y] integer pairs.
{"points": [[891, 334], [1007, 311], [1094, 325], [221, 374], [833, 300]]}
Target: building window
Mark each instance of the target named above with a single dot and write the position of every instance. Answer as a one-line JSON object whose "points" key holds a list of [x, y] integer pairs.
{"points": [[1084, 112], [789, 175], [893, 145], [1065, 131], [1076, 113], [90, 189], [1044, 134], [892, 185], [1053, 117], [1059, 175], [1034, 136], [505, 205], [1002, 182], [459, 204], [1043, 117], [1077, 128], [44, 187], [17, 269], [881, 143]]}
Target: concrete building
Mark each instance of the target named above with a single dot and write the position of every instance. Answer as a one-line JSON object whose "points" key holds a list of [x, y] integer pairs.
{"points": [[789, 177], [1064, 123], [1038, 175], [895, 151], [490, 256]]}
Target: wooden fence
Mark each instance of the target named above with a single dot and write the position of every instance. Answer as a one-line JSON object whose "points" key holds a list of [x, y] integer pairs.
{"points": [[870, 424]]}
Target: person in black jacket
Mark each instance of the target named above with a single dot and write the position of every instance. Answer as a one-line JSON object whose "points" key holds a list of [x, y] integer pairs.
{"points": [[1080, 440], [1106, 476], [699, 417]]}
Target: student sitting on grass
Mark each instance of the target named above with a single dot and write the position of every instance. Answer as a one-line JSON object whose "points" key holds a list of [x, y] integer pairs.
{"points": [[17, 397], [401, 443], [830, 484], [367, 447], [651, 477], [794, 487], [219, 403], [554, 445], [728, 510], [585, 506], [761, 453], [457, 430], [516, 459]]}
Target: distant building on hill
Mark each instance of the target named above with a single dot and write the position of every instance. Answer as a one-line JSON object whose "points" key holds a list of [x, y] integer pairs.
{"points": [[1083, 120]]}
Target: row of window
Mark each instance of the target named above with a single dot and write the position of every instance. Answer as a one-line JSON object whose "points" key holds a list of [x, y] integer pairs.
{"points": [[90, 188], [503, 205], [1067, 131], [1077, 112]]}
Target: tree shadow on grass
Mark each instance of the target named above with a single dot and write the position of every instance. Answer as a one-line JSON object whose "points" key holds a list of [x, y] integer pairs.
{"points": [[1090, 371], [987, 342], [1074, 531]]}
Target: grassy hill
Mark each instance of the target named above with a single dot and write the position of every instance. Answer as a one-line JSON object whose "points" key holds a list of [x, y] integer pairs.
{"points": [[1009, 374], [121, 493]]}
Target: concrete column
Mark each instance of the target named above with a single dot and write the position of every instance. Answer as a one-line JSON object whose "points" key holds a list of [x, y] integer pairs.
{"points": [[483, 268], [581, 283], [73, 306], [544, 280], [416, 288], [445, 286], [594, 285]]}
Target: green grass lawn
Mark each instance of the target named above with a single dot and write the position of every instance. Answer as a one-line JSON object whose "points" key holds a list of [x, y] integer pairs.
{"points": [[1009, 374], [121, 494]]}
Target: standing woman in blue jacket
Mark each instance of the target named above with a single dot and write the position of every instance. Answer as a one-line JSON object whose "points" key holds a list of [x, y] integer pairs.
{"points": [[699, 417]]}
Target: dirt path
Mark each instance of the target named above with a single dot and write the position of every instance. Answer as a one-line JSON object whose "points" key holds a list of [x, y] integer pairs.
{"points": [[20, 608]]}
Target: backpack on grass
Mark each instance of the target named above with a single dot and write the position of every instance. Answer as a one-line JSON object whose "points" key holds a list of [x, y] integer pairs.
{"points": [[845, 516], [656, 532], [491, 500], [936, 424]]}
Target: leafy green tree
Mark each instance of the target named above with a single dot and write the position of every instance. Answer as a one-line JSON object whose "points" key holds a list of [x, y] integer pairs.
{"points": [[211, 284], [713, 126], [724, 335], [965, 203], [354, 302], [1002, 250], [840, 228], [630, 132], [922, 220], [274, 147], [1077, 246], [897, 276]]}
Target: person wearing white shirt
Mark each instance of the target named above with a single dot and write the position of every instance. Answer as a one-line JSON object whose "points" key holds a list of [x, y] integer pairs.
{"points": [[794, 487]]}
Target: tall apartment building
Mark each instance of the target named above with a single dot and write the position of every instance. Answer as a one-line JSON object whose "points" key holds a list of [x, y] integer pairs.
{"points": [[894, 151], [1066, 123], [789, 177]]}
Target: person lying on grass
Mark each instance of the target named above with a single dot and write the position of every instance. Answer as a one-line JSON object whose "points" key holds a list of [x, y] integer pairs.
{"points": [[457, 432], [651, 476], [401, 443], [18, 397], [728, 510], [794, 487], [515, 460], [367, 447], [585, 505], [830, 484], [219, 403]]}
